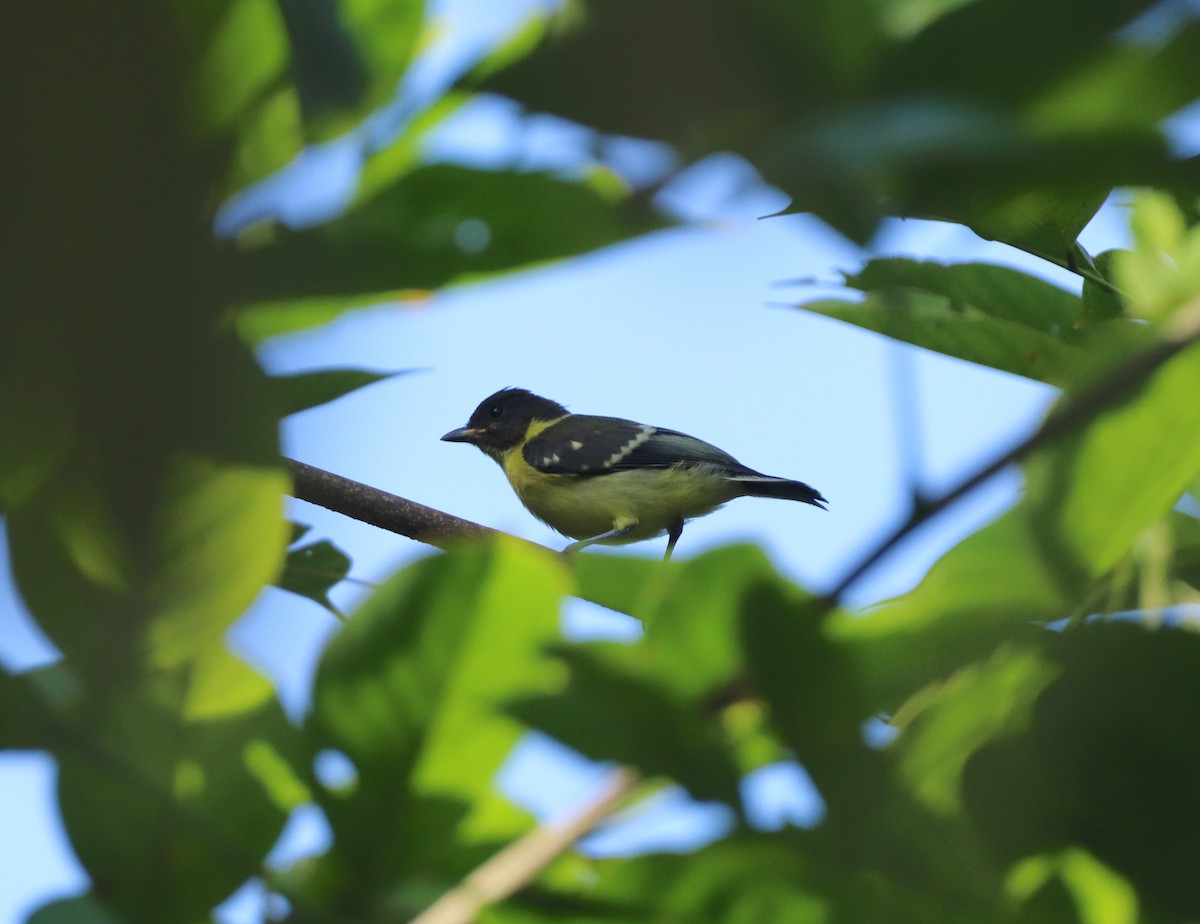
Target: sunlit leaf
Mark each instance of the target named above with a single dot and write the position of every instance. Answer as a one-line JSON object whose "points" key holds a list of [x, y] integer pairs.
{"points": [[1000, 291], [1162, 271], [1091, 498], [958, 330], [1135, 83], [983, 590], [162, 769], [260, 321], [410, 692], [245, 57], [1087, 501], [1100, 895], [690, 610], [614, 709], [1041, 223], [954, 719]]}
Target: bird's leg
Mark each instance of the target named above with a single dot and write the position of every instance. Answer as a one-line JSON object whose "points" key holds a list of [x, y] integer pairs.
{"points": [[615, 533], [674, 531]]}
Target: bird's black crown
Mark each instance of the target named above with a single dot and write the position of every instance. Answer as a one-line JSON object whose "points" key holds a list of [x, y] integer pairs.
{"points": [[503, 418]]}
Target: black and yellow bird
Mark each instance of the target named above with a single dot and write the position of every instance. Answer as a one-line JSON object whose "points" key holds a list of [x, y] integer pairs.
{"points": [[604, 479]]}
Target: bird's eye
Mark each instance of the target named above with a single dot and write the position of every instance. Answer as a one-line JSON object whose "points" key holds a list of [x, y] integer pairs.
{"points": [[496, 411]]}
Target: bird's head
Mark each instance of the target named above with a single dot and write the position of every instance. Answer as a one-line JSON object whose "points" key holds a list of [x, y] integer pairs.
{"points": [[502, 420]]}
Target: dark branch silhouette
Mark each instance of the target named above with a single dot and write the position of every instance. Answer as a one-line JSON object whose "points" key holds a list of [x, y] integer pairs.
{"points": [[1085, 406]]}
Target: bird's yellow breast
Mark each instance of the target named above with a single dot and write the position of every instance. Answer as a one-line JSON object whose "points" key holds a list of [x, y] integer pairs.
{"points": [[582, 506]]}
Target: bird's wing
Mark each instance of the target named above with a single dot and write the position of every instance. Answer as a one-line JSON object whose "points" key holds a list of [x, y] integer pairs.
{"points": [[585, 445]]}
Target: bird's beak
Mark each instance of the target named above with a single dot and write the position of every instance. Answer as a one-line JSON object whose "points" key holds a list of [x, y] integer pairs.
{"points": [[464, 435]]}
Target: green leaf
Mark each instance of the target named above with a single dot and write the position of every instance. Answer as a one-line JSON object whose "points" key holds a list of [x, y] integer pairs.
{"points": [[947, 723], [717, 79], [30, 703], [860, 110], [1045, 224], [748, 877], [992, 315], [1135, 83], [742, 878], [328, 71], [1092, 498], [83, 909], [269, 136], [244, 58], [628, 584], [690, 609], [437, 225], [216, 541], [1186, 548], [1099, 894], [615, 708], [983, 591], [221, 541], [165, 521], [961, 331], [1100, 301], [999, 291], [1086, 503], [312, 570], [35, 424], [815, 702], [386, 35], [303, 390], [1109, 763], [274, 76], [161, 782], [974, 48], [410, 691], [1162, 271], [260, 321], [695, 630]]}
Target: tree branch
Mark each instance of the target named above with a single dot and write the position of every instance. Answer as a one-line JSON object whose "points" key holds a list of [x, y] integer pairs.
{"points": [[519, 863], [379, 508], [1178, 334]]}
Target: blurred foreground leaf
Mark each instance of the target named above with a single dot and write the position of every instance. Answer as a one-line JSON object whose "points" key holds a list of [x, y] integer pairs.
{"points": [[303, 390], [410, 692]]}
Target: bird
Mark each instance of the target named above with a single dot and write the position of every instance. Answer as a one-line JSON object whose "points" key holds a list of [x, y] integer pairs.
{"points": [[610, 480]]}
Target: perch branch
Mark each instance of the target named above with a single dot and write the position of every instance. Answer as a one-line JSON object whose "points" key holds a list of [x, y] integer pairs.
{"points": [[379, 508]]}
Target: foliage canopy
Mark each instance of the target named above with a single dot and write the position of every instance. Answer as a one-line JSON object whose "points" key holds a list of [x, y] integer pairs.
{"points": [[1047, 766]]}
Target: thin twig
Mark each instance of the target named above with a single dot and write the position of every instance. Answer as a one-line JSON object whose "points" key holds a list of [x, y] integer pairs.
{"points": [[1179, 333], [520, 862]]}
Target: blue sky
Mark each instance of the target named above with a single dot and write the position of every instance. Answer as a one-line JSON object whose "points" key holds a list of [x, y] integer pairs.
{"points": [[686, 329]]}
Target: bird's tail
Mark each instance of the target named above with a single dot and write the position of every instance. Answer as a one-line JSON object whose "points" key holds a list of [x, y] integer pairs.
{"points": [[783, 488]]}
